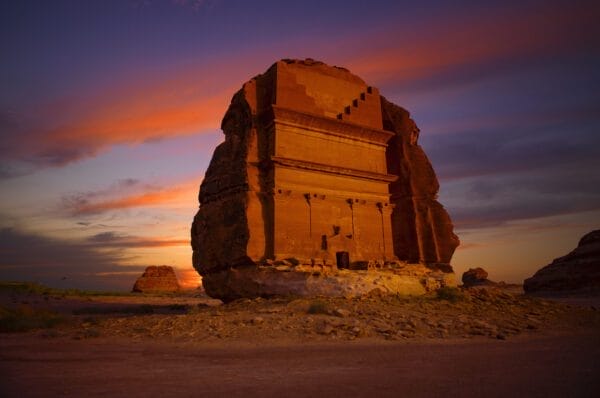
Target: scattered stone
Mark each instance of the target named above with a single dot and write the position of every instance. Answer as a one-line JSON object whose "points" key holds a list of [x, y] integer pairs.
{"points": [[381, 326], [496, 315], [577, 272], [157, 279], [342, 313], [324, 327], [475, 277]]}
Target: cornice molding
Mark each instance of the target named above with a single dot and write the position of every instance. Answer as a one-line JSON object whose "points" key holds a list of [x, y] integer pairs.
{"points": [[330, 126], [329, 169]]}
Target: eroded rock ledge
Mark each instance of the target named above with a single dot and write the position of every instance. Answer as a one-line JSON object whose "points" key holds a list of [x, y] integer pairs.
{"points": [[309, 281]]}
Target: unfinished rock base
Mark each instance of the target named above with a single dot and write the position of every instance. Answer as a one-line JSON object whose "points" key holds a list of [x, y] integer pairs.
{"points": [[310, 281]]}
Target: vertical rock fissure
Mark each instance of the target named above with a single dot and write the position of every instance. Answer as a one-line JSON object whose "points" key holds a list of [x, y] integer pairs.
{"points": [[434, 235], [351, 204], [380, 208]]}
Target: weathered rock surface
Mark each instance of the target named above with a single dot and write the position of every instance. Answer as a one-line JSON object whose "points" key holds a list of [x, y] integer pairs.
{"points": [[578, 271], [316, 169], [268, 281], [157, 279], [423, 231], [476, 277]]}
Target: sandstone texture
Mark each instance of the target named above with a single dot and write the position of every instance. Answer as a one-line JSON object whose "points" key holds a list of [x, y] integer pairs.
{"points": [[577, 272], [476, 277], [320, 174], [157, 279], [251, 281]]}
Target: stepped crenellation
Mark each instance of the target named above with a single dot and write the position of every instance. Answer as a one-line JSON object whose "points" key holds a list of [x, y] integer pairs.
{"points": [[350, 111]]}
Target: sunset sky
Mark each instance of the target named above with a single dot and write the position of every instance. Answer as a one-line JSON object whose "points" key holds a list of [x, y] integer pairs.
{"points": [[110, 111]]}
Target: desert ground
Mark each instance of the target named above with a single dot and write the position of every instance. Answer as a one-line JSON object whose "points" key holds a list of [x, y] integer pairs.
{"points": [[459, 342]]}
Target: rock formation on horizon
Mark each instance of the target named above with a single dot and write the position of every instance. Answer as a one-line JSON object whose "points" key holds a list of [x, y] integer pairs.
{"points": [[476, 277], [577, 272], [157, 279], [318, 175]]}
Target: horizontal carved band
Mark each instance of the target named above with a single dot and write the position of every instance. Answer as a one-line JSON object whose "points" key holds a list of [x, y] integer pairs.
{"points": [[329, 169], [331, 126]]}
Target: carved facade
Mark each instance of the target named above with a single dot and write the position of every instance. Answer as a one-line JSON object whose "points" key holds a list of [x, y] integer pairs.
{"points": [[317, 168]]}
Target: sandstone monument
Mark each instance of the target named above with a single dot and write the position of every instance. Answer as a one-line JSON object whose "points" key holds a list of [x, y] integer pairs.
{"points": [[157, 279], [320, 188], [577, 272]]}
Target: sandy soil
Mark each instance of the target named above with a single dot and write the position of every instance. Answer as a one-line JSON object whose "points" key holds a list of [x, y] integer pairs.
{"points": [[485, 342], [540, 366]]}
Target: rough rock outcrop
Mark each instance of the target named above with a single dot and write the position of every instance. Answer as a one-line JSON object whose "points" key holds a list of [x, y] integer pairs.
{"points": [[319, 170], [255, 281], [157, 279], [423, 231], [476, 277], [578, 271]]}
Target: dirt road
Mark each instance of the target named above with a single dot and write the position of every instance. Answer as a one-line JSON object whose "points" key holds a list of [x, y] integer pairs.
{"points": [[527, 366]]}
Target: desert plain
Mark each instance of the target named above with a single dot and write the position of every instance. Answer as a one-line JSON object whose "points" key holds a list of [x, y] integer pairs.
{"points": [[485, 341]]}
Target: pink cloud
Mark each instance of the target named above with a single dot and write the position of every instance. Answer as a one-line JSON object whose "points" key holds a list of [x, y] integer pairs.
{"points": [[191, 99], [119, 197]]}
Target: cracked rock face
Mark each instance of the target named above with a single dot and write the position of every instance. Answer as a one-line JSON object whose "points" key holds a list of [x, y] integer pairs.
{"points": [[316, 170], [578, 271]]}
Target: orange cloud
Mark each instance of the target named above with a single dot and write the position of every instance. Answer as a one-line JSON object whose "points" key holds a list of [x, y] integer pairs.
{"points": [[136, 109], [182, 194], [188, 278], [157, 242], [111, 240], [133, 121], [146, 120], [141, 200]]}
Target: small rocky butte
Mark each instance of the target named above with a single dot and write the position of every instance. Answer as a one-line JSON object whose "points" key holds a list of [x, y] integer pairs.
{"points": [[157, 279], [476, 277], [319, 189], [576, 272]]}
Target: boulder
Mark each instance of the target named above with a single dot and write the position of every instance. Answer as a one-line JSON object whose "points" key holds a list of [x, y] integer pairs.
{"points": [[577, 272], [157, 279], [475, 277]]}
